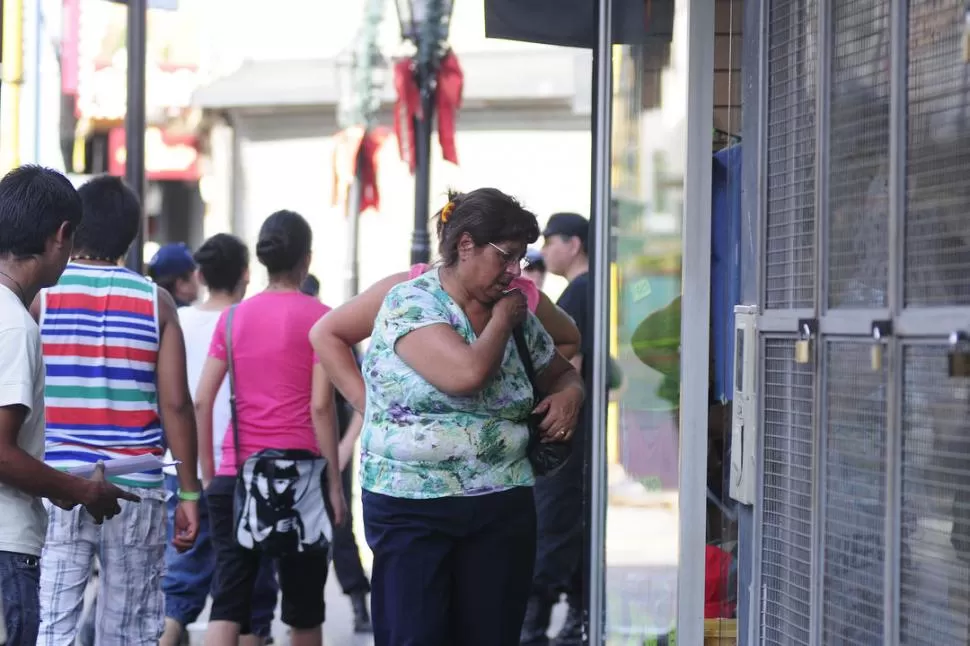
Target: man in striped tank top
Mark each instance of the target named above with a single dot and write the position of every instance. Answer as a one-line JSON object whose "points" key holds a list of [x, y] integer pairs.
{"points": [[39, 212], [115, 367]]}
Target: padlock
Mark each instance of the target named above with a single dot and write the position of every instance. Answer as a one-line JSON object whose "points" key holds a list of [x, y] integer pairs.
{"points": [[803, 347], [958, 357], [875, 353], [875, 357]]}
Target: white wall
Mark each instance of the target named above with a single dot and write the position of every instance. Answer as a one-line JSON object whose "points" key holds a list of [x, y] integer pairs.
{"points": [[307, 29], [548, 170]]}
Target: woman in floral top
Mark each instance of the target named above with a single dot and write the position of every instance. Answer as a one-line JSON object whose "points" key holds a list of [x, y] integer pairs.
{"points": [[448, 509]]}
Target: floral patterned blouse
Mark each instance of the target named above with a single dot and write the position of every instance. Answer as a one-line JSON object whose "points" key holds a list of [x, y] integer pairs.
{"points": [[418, 442]]}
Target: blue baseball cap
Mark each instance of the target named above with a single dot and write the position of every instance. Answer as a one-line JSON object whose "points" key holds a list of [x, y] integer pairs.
{"points": [[173, 259], [533, 259]]}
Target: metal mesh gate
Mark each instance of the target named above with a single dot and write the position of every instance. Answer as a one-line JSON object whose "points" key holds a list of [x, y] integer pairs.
{"points": [[790, 227], [854, 508], [787, 509], [864, 501]]}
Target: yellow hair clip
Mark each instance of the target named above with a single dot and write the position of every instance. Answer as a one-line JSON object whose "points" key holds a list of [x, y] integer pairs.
{"points": [[446, 211]]}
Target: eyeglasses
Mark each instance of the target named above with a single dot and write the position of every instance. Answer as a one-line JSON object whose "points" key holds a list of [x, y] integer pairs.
{"points": [[509, 258]]}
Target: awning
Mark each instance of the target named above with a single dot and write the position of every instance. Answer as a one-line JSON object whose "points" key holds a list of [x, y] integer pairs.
{"points": [[571, 23]]}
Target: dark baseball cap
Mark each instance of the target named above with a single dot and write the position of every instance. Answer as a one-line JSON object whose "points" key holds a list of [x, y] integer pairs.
{"points": [[173, 259], [570, 225]]}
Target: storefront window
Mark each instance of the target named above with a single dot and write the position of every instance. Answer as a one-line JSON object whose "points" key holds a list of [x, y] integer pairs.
{"points": [[649, 148], [649, 166]]}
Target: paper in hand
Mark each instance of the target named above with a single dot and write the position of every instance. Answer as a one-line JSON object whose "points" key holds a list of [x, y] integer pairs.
{"points": [[124, 466]]}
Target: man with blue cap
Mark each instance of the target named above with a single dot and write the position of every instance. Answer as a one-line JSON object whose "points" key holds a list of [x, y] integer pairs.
{"points": [[173, 268]]}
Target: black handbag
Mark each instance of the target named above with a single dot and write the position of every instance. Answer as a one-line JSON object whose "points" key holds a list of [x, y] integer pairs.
{"points": [[280, 504], [547, 458]]}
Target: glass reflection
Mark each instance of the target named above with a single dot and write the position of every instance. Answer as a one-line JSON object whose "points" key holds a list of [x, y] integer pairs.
{"points": [[649, 120], [649, 154]]}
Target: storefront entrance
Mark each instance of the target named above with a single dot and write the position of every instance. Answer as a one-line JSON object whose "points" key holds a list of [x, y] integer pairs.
{"points": [[862, 519]]}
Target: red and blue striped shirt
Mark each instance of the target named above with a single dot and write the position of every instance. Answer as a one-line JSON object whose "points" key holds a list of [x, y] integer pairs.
{"points": [[100, 333]]}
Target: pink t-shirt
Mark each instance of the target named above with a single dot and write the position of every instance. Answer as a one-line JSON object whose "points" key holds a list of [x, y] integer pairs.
{"points": [[528, 287], [274, 372]]}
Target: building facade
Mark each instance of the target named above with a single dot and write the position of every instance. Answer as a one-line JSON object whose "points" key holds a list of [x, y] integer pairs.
{"points": [[816, 384]]}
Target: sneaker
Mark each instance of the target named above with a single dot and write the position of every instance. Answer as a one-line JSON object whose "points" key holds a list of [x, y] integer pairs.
{"points": [[571, 633]]}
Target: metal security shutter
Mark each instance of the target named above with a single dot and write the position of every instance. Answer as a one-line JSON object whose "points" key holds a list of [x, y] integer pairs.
{"points": [[854, 498], [786, 518], [864, 507], [937, 157], [858, 199], [935, 509], [790, 227]]}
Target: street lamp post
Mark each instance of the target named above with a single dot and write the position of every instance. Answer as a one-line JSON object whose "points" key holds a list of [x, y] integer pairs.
{"points": [[135, 120], [424, 23]]}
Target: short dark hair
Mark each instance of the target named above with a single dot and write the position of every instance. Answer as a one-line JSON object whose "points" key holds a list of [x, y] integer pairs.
{"points": [[34, 203], [112, 216], [487, 215], [285, 239], [222, 260]]}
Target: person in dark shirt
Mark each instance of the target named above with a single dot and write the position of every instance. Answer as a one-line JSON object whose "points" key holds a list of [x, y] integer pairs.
{"points": [[346, 554], [559, 498]]}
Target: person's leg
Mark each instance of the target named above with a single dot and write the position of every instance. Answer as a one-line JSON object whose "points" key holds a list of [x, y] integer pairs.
{"points": [[131, 611], [20, 596], [559, 545], [412, 542], [89, 621], [265, 594], [493, 570], [235, 573], [567, 545], [346, 563], [303, 577], [188, 574], [72, 538]]}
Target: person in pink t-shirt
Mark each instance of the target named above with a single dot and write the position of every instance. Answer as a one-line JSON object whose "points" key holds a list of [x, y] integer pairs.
{"points": [[284, 400]]}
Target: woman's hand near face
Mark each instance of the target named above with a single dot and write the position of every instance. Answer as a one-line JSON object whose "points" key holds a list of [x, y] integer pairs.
{"points": [[511, 309]]}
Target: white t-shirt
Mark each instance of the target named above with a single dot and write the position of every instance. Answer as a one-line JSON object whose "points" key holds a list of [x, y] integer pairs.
{"points": [[197, 328], [24, 524]]}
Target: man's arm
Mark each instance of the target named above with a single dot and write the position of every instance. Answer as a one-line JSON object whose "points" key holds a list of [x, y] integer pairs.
{"points": [[573, 303], [174, 399], [20, 470]]}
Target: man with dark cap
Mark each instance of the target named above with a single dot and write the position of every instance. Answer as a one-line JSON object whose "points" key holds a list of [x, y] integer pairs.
{"points": [[559, 498], [173, 268]]}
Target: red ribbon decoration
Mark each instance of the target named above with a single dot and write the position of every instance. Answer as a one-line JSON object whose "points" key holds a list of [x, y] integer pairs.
{"points": [[450, 84], [347, 144]]}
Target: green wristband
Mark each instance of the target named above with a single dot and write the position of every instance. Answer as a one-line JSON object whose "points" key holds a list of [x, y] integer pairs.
{"points": [[190, 496]]}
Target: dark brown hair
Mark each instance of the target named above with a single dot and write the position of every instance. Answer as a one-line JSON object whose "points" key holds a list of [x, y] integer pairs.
{"points": [[487, 215]]}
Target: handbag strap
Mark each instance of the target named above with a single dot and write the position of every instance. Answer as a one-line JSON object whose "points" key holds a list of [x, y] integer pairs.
{"points": [[231, 368], [523, 348]]}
